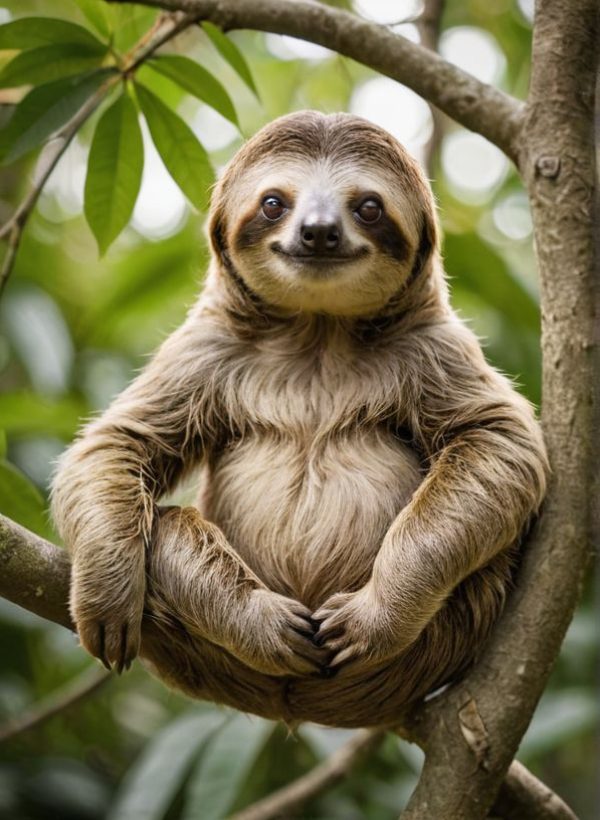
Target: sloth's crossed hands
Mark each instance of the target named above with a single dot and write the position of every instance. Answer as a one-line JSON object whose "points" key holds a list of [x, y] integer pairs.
{"points": [[361, 628]]}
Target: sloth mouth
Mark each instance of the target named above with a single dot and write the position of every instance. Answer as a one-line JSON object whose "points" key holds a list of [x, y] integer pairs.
{"points": [[319, 260]]}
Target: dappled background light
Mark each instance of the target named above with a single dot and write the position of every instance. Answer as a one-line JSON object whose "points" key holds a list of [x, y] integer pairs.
{"points": [[475, 51], [395, 108], [160, 207], [291, 48], [388, 12], [472, 165]]}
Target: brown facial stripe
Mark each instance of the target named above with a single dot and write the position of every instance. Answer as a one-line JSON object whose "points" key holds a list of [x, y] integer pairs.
{"points": [[253, 229], [387, 236]]}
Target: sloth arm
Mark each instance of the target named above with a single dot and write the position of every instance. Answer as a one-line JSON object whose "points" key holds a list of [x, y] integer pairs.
{"points": [[105, 497], [108, 482], [486, 478]]}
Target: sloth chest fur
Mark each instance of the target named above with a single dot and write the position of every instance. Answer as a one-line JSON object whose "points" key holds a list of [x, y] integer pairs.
{"points": [[308, 487]]}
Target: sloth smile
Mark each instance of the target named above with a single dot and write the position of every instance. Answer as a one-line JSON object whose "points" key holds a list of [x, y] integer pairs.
{"points": [[319, 259]]}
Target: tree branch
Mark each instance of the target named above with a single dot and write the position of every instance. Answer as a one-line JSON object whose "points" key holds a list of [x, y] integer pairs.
{"points": [[287, 801], [84, 685], [429, 25], [522, 795], [476, 105], [34, 573]]}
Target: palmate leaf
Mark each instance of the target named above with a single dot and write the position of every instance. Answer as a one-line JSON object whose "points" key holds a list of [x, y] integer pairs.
{"points": [[33, 32], [231, 53], [44, 110], [114, 172], [197, 81], [155, 778], [48, 63], [225, 767], [183, 155]]}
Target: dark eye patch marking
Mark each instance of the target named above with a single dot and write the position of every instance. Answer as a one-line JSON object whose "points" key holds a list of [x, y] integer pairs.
{"points": [[252, 231], [256, 225], [389, 238], [384, 232]]}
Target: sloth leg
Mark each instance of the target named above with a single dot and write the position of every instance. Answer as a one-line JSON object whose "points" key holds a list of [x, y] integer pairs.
{"points": [[197, 580]]}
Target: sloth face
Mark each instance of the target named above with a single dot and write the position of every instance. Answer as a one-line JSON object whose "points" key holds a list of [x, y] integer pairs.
{"points": [[323, 214]]}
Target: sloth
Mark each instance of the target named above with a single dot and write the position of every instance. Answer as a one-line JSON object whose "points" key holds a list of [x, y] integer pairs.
{"points": [[365, 476]]}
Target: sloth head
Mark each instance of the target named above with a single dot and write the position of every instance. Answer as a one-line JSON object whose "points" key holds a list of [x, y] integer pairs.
{"points": [[324, 213]]}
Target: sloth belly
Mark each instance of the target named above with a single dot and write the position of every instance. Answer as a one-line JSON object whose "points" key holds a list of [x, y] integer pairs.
{"points": [[309, 516]]}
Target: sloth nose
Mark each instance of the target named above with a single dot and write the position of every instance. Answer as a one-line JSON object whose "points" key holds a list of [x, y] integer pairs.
{"points": [[320, 237]]}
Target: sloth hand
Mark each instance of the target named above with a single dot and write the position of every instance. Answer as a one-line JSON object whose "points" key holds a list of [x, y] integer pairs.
{"points": [[357, 628], [276, 636], [107, 601]]}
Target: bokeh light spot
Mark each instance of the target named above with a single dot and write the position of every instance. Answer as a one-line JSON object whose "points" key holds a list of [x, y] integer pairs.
{"points": [[161, 207], [475, 51], [473, 165], [512, 216], [395, 108]]}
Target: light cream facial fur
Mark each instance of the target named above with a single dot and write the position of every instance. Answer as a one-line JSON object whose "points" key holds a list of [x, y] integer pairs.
{"points": [[365, 476], [316, 188]]}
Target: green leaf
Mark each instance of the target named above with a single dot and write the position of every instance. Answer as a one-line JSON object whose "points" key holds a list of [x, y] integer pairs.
{"points": [[2, 444], [131, 22], [21, 500], [224, 768], [185, 158], [155, 778], [114, 171], [33, 32], [44, 110], [198, 81], [230, 52], [29, 414], [559, 719], [98, 14], [48, 63], [474, 265]]}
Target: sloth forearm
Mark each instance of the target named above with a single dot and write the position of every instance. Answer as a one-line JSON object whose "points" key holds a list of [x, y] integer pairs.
{"points": [[480, 493], [103, 492]]}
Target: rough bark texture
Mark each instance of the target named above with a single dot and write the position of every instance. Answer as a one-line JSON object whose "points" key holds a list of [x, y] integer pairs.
{"points": [[472, 731], [34, 573], [465, 763]]}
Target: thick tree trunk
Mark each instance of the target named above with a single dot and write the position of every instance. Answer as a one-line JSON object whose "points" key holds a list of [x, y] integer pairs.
{"points": [[474, 734]]}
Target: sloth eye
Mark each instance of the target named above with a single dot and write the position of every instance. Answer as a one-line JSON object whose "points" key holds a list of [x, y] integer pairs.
{"points": [[273, 208], [369, 211]]}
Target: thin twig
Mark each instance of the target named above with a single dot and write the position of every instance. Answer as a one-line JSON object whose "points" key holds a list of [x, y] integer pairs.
{"points": [[522, 795], [429, 26], [284, 802], [84, 685]]}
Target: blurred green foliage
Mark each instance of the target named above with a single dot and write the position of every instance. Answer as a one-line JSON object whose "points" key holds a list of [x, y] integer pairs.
{"points": [[74, 329]]}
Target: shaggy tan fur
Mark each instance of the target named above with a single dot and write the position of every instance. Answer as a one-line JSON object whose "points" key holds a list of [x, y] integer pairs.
{"points": [[365, 474]]}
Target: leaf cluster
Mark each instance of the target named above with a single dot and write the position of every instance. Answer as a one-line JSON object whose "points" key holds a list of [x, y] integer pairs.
{"points": [[63, 66]]}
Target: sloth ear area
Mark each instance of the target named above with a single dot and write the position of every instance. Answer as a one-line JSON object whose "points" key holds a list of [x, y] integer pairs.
{"points": [[217, 227], [428, 243]]}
